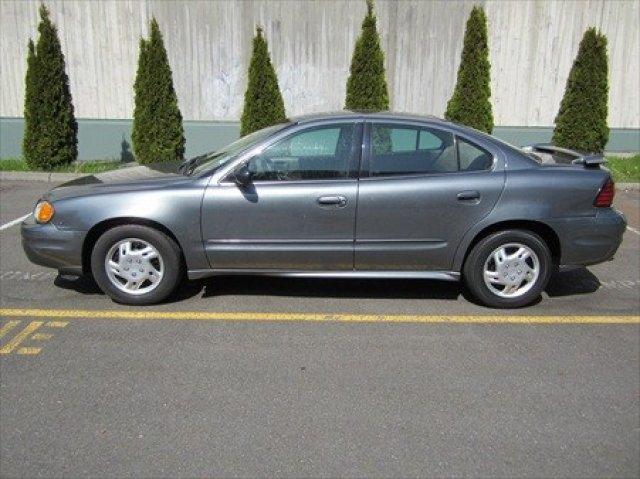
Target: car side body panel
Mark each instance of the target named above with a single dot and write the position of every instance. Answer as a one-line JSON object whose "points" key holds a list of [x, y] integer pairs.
{"points": [[279, 225], [562, 199], [417, 223], [173, 204]]}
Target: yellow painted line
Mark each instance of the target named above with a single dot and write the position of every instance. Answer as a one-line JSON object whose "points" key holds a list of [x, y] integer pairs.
{"points": [[8, 326], [56, 324], [41, 336], [21, 336], [29, 351], [313, 317]]}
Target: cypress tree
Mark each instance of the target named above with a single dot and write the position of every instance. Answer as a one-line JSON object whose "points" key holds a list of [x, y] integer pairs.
{"points": [[367, 86], [470, 103], [30, 108], [581, 123], [50, 137], [157, 134], [263, 103]]}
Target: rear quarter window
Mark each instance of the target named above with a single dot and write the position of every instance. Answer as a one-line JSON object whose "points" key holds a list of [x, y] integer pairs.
{"points": [[472, 157]]}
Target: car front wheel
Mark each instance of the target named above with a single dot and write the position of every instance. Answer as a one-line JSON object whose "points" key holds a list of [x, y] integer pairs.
{"points": [[135, 264], [508, 269]]}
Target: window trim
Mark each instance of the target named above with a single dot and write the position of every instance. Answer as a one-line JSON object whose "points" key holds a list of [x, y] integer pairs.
{"points": [[365, 172], [352, 166]]}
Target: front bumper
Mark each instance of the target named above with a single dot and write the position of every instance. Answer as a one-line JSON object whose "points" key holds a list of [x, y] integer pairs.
{"points": [[590, 240], [46, 245]]}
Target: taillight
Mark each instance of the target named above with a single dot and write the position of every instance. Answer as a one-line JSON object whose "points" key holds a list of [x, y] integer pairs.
{"points": [[605, 195]]}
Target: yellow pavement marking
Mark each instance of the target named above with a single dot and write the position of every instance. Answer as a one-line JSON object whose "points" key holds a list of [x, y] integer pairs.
{"points": [[56, 324], [21, 336], [311, 317], [8, 327], [41, 336], [29, 351]]}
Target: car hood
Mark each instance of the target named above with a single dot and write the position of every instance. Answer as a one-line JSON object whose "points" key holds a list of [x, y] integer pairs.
{"points": [[125, 179]]}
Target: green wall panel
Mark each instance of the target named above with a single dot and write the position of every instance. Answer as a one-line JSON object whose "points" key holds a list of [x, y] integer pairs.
{"points": [[111, 139]]}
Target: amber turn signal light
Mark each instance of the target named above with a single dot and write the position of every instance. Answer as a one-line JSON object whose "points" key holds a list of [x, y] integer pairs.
{"points": [[44, 212]]}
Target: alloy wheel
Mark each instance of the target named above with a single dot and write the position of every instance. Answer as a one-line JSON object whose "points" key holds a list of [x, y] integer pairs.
{"points": [[511, 270], [134, 266]]}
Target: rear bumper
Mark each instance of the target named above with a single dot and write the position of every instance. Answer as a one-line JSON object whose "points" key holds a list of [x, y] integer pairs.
{"points": [[48, 246], [590, 240]]}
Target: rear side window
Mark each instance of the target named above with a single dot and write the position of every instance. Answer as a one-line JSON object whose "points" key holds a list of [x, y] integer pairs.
{"points": [[409, 150], [400, 150], [472, 157]]}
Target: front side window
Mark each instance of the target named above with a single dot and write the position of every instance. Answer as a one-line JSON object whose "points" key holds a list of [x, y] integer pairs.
{"points": [[317, 153], [405, 150]]}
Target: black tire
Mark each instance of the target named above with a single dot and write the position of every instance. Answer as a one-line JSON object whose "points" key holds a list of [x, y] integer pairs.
{"points": [[168, 249], [473, 270]]}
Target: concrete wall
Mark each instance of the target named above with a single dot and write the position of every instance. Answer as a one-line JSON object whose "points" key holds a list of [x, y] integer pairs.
{"points": [[532, 43]]}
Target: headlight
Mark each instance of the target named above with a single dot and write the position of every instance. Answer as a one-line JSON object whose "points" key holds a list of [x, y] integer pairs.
{"points": [[43, 212]]}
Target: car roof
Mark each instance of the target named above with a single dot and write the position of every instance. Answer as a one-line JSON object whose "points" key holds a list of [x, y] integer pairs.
{"points": [[377, 115]]}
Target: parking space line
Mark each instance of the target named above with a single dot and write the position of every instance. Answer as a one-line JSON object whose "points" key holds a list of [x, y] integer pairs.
{"points": [[14, 222], [41, 336], [314, 317], [7, 327], [633, 230], [29, 351], [21, 336], [56, 324]]}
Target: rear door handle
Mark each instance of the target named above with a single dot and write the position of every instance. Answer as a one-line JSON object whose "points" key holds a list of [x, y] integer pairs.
{"points": [[339, 201], [468, 195]]}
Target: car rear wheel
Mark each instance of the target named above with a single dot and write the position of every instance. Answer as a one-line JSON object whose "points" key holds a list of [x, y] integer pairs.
{"points": [[135, 264], [508, 269]]}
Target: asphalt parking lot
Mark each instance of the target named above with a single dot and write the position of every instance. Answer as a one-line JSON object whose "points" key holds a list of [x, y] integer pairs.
{"points": [[308, 377]]}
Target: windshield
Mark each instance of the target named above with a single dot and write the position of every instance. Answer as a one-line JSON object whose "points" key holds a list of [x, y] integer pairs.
{"points": [[214, 160]]}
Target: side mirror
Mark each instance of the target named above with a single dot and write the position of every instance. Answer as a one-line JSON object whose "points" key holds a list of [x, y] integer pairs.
{"points": [[243, 176]]}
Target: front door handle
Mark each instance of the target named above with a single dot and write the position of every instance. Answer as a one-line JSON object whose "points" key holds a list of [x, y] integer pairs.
{"points": [[469, 195], [339, 201]]}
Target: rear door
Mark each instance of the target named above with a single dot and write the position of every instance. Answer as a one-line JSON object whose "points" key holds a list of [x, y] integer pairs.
{"points": [[299, 211], [421, 188]]}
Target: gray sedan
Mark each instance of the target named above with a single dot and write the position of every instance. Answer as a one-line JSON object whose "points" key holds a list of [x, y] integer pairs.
{"points": [[340, 195]]}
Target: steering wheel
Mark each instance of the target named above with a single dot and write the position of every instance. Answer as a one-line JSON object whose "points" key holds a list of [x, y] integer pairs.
{"points": [[268, 165], [270, 168]]}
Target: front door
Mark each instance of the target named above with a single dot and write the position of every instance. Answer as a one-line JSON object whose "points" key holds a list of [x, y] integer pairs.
{"points": [[298, 212], [422, 188]]}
